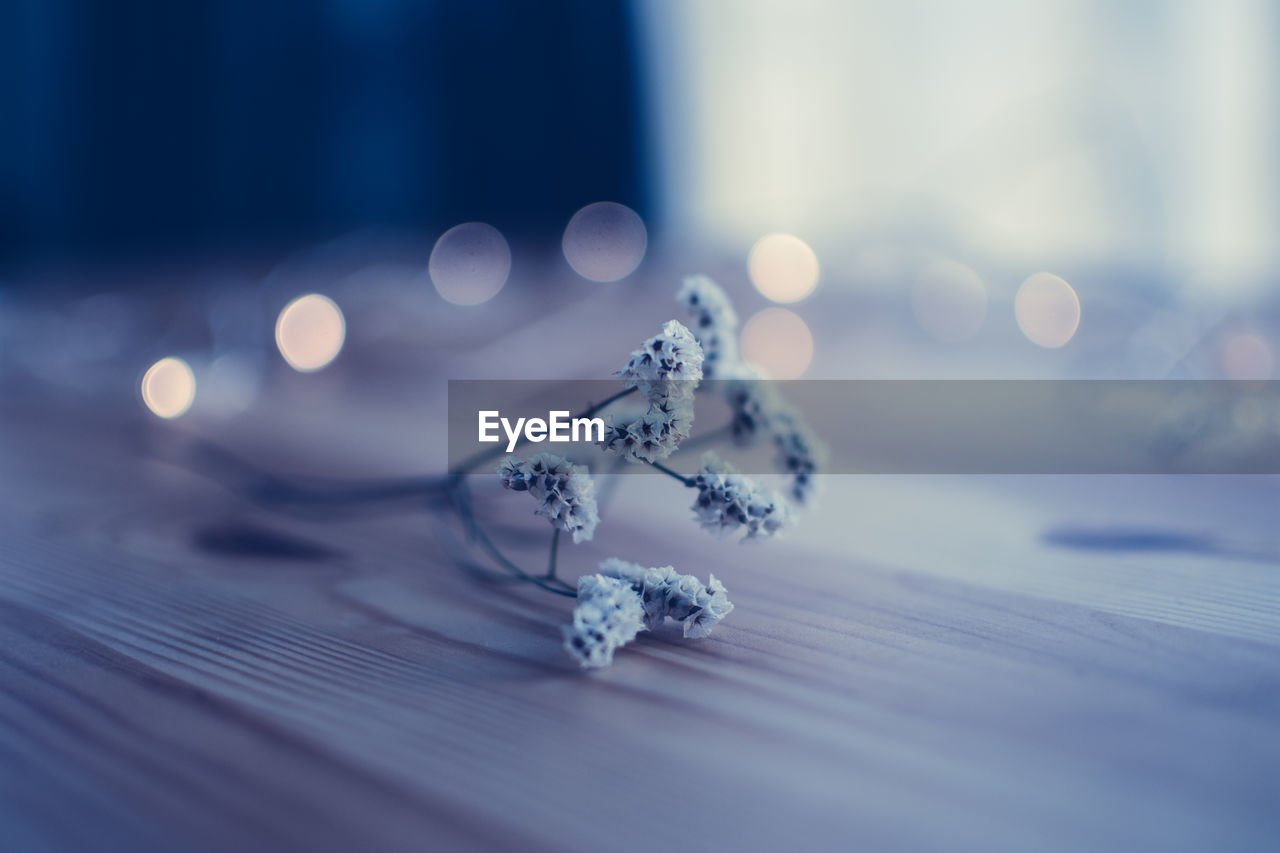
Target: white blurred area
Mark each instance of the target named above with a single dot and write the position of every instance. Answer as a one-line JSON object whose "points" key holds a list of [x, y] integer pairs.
{"points": [[605, 242], [169, 387], [1139, 134], [470, 263], [310, 332]]}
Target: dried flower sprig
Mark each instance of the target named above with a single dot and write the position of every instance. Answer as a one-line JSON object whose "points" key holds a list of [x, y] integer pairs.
{"points": [[674, 356], [752, 401], [715, 323], [727, 501], [624, 598], [757, 408], [666, 370], [800, 453], [566, 495], [665, 593], [609, 615], [657, 433]]}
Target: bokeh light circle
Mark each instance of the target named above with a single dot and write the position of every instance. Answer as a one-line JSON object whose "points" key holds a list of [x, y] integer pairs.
{"points": [[605, 241], [169, 387], [310, 332], [783, 267], [778, 342], [1047, 310], [950, 301], [470, 263]]}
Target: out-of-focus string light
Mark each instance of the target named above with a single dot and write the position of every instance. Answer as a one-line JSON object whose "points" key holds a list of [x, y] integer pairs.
{"points": [[1047, 310], [470, 263], [169, 387], [1246, 355], [783, 267], [605, 241], [778, 342], [310, 332], [950, 301]]}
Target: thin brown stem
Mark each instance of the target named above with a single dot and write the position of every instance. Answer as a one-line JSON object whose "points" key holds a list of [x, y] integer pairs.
{"points": [[462, 504], [687, 481], [610, 488], [551, 560]]}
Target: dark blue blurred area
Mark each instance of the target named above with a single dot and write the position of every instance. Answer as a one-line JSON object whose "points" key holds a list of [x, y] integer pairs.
{"points": [[142, 127]]}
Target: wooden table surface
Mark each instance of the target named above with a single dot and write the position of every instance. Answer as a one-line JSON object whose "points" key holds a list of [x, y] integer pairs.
{"points": [[927, 663]]}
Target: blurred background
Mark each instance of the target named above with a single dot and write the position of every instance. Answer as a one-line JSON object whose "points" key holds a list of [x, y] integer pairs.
{"points": [[986, 189], [147, 128], [246, 244]]}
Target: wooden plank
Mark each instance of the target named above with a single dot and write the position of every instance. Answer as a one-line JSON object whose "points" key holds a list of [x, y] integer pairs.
{"points": [[911, 712]]}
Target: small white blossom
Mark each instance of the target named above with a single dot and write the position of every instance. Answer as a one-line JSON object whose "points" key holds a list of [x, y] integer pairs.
{"points": [[565, 493], [800, 452], [651, 584], [514, 472], [616, 567], [728, 501], [713, 605], [752, 400], [683, 592], [759, 410], [665, 593], [666, 369], [657, 433], [671, 357], [715, 324], [608, 616]]}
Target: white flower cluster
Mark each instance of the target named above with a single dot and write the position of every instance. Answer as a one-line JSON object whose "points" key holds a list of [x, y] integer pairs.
{"points": [[727, 501], [715, 324], [608, 616], [753, 402], [654, 435], [757, 408], [671, 357], [666, 369], [565, 493], [665, 593], [800, 452]]}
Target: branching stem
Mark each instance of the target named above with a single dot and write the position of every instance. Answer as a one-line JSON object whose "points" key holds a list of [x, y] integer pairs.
{"points": [[551, 560], [462, 503], [686, 481]]}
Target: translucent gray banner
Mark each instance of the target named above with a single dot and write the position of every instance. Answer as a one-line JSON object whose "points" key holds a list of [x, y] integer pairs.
{"points": [[891, 427]]}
